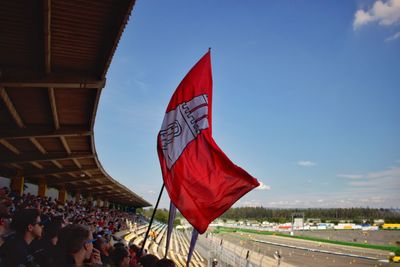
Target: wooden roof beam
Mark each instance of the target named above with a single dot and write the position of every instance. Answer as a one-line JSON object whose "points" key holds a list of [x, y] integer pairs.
{"points": [[11, 108], [47, 35], [43, 132], [88, 174], [9, 146], [54, 108], [96, 103], [55, 162], [65, 170], [84, 189], [48, 157], [74, 180], [77, 163], [54, 84], [38, 145], [116, 38], [107, 192], [65, 144], [72, 174], [16, 166], [37, 165]]}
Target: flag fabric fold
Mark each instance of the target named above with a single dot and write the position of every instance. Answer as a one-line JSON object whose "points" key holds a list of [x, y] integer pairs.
{"points": [[202, 182]]}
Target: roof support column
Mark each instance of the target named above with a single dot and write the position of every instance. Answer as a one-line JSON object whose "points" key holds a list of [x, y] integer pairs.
{"points": [[99, 203], [42, 187], [17, 185], [62, 195]]}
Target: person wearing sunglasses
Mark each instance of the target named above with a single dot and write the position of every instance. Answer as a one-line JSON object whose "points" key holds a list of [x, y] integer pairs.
{"points": [[16, 251], [75, 247], [44, 249]]}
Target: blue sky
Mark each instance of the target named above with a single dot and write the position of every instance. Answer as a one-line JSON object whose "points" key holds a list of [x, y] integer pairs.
{"points": [[306, 96]]}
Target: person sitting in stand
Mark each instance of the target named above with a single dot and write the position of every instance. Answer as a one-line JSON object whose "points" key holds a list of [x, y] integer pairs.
{"points": [[165, 263], [16, 250], [133, 251], [45, 248], [121, 257], [104, 247], [148, 260], [75, 247]]}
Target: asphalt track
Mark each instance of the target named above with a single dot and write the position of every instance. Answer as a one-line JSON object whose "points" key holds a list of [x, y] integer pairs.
{"points": [[304, 257], [381, 237]]}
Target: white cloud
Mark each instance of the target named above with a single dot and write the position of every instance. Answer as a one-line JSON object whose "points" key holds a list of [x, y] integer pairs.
{"points": [[378, 189], [306, 163], [360, 18], [248, 203], [263, 186], [381, 182], [350, 176], [391, 172], [151, 192], [385, 13], [393, 37]]}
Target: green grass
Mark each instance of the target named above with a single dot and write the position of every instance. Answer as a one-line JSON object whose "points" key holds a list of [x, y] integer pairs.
{"points": [[394, 249]]}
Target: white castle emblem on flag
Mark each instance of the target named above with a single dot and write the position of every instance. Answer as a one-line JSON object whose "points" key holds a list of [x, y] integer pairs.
{"points": [[182, 125]]}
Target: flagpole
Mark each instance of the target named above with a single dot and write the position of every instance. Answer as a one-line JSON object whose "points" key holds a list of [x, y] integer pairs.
{"points": [[151, 220], [171, 218]]}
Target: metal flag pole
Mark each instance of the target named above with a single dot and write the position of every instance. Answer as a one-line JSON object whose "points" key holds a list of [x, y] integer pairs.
{"points": [[151, 220], [195, 234], [171, 218]]}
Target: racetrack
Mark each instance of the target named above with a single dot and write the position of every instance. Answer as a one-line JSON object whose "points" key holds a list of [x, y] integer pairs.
{"points": [[304, 257], [381, 237]]}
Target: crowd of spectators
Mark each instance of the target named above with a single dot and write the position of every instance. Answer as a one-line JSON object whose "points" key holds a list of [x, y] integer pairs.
{"points": [[41, 232]]}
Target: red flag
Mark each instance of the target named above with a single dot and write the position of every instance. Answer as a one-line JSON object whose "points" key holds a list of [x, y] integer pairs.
{"points": [[200, 179]]}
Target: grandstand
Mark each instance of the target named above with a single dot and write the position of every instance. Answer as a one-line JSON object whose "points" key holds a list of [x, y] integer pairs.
{"points": [[54, 57], [179, 244], [53, 65]]}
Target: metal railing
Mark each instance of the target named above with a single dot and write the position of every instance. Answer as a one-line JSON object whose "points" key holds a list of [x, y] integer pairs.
{"points": [[231, 255]]}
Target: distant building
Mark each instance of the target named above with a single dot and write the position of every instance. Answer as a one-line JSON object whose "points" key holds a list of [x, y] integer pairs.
{"points": [[313, 221], [379, 222], [391, 226]]}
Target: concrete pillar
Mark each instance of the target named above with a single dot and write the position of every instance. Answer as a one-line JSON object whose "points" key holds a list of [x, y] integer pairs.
{"points": [[42, 187], [62, 195], [99, 203], [17, 185]]}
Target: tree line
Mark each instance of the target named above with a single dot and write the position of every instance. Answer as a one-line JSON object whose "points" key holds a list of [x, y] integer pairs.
{"points": [[332, 214], [160, 216], [260, 214]]}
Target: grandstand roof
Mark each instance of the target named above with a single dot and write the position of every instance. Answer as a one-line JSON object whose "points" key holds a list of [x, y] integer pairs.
{"points": [[54, 56]]}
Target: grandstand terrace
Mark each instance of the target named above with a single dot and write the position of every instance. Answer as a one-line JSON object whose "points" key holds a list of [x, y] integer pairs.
{"points": [[54, 56]]}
